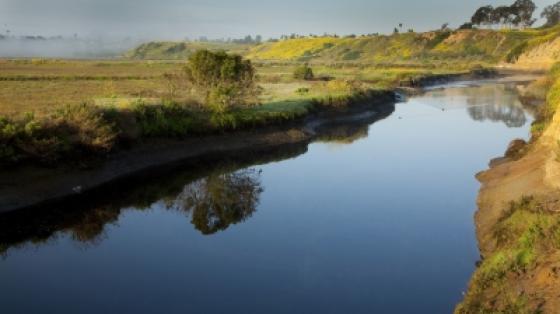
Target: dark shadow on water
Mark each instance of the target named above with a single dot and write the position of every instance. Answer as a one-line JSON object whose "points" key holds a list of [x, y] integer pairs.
{"points": [[213, 193]]}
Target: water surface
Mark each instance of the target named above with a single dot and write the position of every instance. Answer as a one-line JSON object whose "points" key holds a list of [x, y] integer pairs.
{"points": [[370, 219]]}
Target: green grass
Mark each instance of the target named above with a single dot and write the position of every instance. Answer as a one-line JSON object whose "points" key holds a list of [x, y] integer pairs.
{"points": [[524, 236]]}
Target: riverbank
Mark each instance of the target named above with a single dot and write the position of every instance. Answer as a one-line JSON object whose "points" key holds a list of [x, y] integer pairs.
{"points": [[517, 225], [32, 186]]}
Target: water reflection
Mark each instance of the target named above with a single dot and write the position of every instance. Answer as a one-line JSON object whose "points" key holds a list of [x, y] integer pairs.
{"points": [[498, 103], [489, 102], [213, 194], [220, 200], [212, 203], [511, 116]]}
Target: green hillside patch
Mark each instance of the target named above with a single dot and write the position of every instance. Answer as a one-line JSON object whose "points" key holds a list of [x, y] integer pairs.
{"points": [[180, 50]]}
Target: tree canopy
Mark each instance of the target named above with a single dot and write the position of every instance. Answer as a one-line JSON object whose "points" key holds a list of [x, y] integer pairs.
{"points": [[519, 14], [552, 14]]}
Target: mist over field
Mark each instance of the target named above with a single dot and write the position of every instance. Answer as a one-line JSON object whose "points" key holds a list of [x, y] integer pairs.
{"points": [[64, 47]]}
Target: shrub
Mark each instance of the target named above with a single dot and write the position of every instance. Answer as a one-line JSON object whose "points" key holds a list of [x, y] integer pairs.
{"points": [[224, 81], [70, 130], [83, 127], [302, 91], [303, 72]]}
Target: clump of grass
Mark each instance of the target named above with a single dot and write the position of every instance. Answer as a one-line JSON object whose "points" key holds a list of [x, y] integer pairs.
{"points": [[167, 120], [302, 91]]}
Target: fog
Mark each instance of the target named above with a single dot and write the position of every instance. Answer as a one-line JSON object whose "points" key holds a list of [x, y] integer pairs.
{"points": [[21, 47]]}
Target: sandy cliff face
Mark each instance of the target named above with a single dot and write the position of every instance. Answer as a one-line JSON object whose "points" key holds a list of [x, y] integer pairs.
{"points": [[536, 174], [541, 57]]}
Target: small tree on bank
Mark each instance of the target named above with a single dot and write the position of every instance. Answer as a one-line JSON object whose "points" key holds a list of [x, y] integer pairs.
{"points": [[225, 81], [304, 72]]}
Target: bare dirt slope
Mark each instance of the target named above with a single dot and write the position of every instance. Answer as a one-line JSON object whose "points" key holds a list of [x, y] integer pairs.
{"points": [[541, 57], [537, 173]]}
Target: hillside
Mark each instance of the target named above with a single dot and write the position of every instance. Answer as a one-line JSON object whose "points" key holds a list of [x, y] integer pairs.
{"points": [[167, 50], [476, 45], [532, 47], [542, 51]]}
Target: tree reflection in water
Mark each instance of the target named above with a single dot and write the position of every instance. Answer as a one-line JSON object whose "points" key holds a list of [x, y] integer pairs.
{"points": [[487, 102], [214, 203], [512, 116], [218, 201], [492, 103]]}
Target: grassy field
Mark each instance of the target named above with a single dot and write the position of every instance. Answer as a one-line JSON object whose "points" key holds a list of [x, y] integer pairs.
{"points": [[53, 110], [41, 85], [375, 61]]}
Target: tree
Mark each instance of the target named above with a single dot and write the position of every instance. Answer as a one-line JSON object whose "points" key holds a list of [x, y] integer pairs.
{"points": [[552, 14], [502, 15], [225, 81], [466, 26], [523, 11], [483, 16], [304, 72]]}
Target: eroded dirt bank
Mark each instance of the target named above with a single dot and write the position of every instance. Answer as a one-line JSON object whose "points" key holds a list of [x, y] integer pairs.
{"points": [[518, 230]]}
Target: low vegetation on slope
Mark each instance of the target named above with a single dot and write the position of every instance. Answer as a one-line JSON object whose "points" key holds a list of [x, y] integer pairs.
{"points": [[462, 45], [522, 273], [180, 50]]}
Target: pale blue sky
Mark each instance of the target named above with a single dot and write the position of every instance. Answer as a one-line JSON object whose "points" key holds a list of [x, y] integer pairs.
{"points": [[175, 19]]}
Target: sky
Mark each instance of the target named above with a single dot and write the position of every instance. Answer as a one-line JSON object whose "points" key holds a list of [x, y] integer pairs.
{"points": [[179, 19]]}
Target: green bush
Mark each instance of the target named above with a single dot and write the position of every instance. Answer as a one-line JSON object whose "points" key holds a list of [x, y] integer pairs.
{"points": [[303, 72], [224, 81], [70, 130]]}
